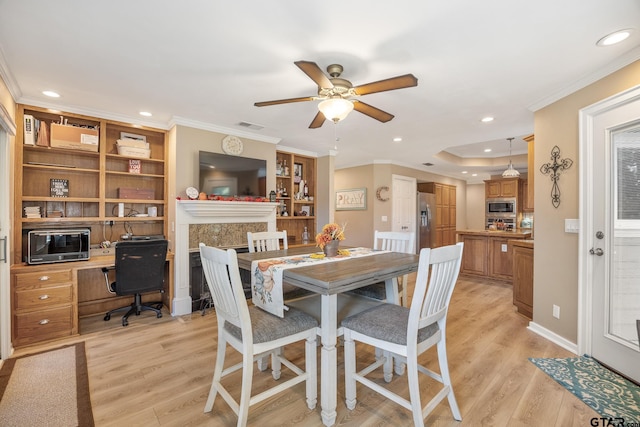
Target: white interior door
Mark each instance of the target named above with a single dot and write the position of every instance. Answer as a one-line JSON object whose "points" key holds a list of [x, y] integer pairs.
{"points": [[6, 127], [404, 209], [610, 236]]}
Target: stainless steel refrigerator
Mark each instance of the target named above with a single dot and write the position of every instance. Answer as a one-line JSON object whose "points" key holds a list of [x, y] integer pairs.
{"points": [[425, 233]]}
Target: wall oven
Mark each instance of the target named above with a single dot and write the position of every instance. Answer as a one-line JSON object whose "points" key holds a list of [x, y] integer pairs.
{"points": [[506, 207]]}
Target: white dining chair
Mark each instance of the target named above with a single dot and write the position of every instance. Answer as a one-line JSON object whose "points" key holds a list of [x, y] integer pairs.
{"points": [[406, 333], [267, 241], [254, 333], [394, 241]]}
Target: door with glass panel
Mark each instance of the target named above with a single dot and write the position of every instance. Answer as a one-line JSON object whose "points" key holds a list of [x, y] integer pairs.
{"points": [[611, 233]]}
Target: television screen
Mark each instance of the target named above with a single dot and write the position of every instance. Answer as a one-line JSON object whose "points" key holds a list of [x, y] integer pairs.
{"points": [[225, 175]]}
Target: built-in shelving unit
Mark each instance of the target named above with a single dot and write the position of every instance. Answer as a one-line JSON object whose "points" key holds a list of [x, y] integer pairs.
{"points": [[296, 209], [95, 176]]}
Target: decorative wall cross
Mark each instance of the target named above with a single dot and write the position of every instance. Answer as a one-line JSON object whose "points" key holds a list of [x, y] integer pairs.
{"points": [[554, 169]]}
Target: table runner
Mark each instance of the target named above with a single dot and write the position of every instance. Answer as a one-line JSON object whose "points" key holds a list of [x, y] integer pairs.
{"points": [[266, 275]]}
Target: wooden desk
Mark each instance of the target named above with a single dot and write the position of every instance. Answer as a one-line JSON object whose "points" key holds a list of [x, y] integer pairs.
{"points": [[47, 300], [329, 280]]}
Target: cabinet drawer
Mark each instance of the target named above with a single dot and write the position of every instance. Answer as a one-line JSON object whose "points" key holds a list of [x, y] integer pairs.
{"points": [[44, 278], [38, 299], [43, 325]]}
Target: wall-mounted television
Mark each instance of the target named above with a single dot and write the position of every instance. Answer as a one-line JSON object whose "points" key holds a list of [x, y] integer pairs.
{"points": [[226, 175]]}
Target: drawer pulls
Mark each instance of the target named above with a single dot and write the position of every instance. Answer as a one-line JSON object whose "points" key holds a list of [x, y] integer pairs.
{"points": [[44, 278], [43, 297], [44, 321]]}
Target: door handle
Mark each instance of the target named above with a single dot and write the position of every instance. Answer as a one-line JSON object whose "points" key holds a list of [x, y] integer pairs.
{"points": [[596, 251]]}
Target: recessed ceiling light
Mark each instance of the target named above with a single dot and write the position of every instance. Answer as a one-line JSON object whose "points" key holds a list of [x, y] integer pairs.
{"points": [[145, 113], [51, 93], [397, 139], [614, 38], [464, 172], [487, 150], [474, 174], [487, 119]]}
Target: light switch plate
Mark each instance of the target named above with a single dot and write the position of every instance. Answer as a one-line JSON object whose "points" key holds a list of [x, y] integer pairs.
{"points": [[571, 225]]}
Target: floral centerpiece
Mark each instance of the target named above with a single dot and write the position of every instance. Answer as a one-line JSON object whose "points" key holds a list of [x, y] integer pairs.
{"points": [[329, 238]]}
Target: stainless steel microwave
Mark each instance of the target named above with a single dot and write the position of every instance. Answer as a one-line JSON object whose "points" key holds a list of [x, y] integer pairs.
{"points": [[503, 207], [46, 246]]}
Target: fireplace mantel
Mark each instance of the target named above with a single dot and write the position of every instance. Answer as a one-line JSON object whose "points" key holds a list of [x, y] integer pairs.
{"points": [[209, 212], [215, 208]]}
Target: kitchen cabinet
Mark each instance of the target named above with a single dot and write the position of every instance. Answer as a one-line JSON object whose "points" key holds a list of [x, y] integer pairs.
{"points": [[488, 253], [528, 194], [296, 210], [445, 211], [502, 188], [526, 197], [475, 255], [523, 276], [500, 258], [44, 305]]}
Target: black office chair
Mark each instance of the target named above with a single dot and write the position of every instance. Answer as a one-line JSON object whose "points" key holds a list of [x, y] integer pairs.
{"points": [[139, 268]]}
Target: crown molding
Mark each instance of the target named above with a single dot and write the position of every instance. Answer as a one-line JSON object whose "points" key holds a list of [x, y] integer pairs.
{"points": [[133, 121], [183, 121], [620, 62], [7, 77]]}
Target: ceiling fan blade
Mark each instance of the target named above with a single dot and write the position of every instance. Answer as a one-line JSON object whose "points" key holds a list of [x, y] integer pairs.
{"points": [[312, 70], [317, 121], [284, 101], [400, 82], [372, 112]]}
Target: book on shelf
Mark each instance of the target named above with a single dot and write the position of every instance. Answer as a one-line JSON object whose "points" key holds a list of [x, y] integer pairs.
{"points": [[59, 187], [32, 212], [42, 134], [29, 130]]}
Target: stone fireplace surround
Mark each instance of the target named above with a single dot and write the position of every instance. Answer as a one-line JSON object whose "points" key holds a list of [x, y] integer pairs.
{"points": [[215, 223]]}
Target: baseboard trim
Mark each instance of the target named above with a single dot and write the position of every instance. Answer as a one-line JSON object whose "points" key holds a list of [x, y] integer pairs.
{"points": [[553, 337]]}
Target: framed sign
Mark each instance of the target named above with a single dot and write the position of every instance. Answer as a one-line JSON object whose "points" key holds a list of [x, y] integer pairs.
{"points": [[59, 187], [350, 200]]}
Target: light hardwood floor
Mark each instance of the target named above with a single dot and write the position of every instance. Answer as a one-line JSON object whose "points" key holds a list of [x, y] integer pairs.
{"points": [[158, 372]]}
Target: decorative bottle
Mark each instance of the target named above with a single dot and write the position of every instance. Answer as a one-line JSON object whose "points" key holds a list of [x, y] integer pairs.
{"points": [[286, 169], [305, 236], [306, 190]]}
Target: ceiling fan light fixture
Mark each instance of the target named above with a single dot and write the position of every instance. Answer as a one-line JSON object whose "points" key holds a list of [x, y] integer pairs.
{"points": [[510, 172], [335, 109]]}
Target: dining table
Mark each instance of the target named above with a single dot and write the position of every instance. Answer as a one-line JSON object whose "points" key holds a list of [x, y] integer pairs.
{"points": [[330, 281]]}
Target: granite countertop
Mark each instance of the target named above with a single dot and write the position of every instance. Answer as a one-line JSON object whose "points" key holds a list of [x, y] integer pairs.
{"points": [[502, 233]]}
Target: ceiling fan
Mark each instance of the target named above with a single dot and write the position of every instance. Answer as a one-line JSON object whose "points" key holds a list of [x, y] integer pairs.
{"points": [[337, 93]]}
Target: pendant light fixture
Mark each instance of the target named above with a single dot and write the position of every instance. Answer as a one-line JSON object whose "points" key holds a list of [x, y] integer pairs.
{"points": [[510, 172]]}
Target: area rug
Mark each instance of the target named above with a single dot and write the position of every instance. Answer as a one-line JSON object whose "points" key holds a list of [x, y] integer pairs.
{"points": [[609, 394], [50, 388]]}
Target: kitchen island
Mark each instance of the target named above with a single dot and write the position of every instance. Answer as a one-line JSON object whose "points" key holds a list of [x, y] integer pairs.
{"points": [[488, 253]]}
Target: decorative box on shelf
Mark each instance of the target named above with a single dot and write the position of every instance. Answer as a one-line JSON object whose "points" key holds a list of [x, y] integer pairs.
{"points": [[136, 193], [133, 148], [74, 137]]}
